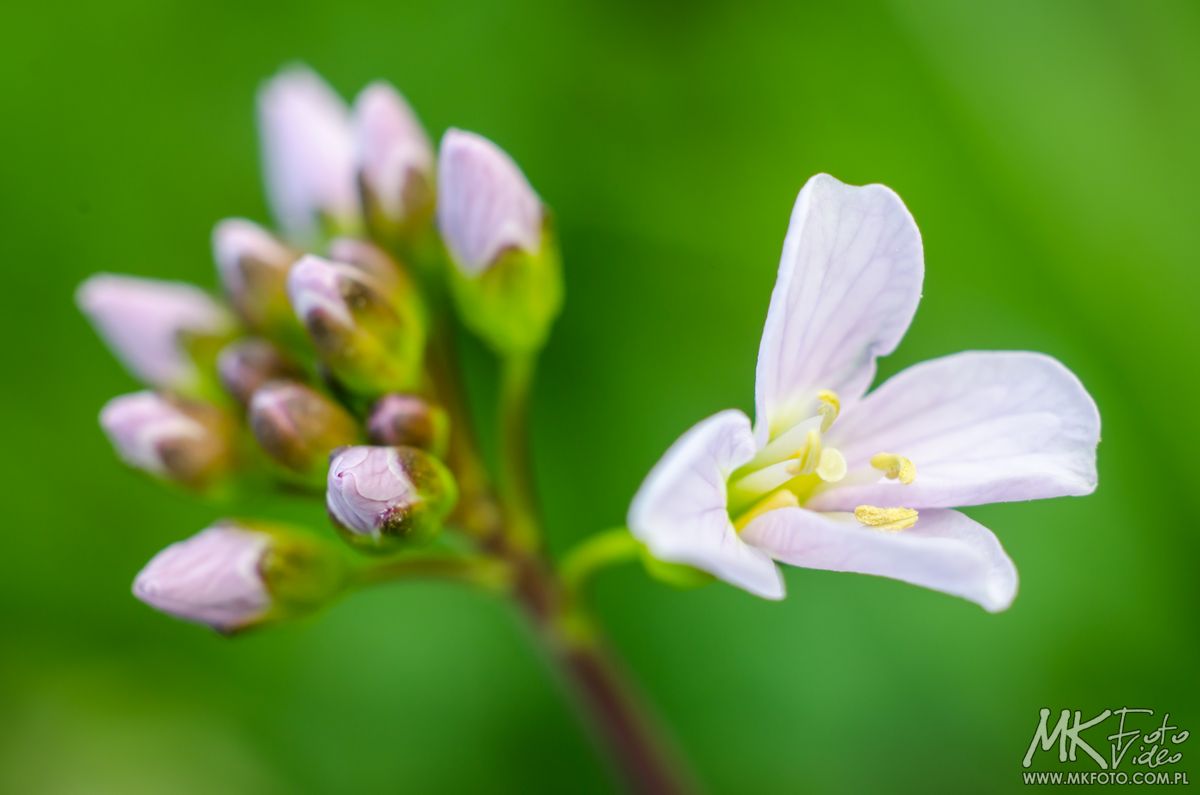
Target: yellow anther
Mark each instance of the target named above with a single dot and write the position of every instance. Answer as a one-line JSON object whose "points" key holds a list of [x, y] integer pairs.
{"points": [[833, 465], [886, 518], [808, 457], [829, 407], [781, 498], [895, 467]]}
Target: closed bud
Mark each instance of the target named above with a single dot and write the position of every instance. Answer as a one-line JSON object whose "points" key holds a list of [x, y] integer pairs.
{"points": [[248, 364], [180, 440], [368, 333], [308, 156], [380, 495], [158, 329], [299, 427], [237, 575], [395, 165], [372, 260], [507, 279], [410, 421], [253, 265]]}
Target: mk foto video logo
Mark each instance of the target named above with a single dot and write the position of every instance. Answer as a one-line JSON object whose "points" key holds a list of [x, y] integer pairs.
{"points": [[1140, 748]]}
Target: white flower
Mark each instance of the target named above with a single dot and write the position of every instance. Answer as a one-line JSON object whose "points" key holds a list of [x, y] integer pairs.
{"points": [[832, 479], [146, 322], [212, 578], [485, 204], [308, 153]]}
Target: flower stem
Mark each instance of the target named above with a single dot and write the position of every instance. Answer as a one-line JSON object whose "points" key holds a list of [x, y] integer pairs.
{"points": [[604, 699], [516, 472]]}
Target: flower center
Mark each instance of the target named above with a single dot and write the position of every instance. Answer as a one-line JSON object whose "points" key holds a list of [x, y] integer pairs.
{"points": [[794, 466]]}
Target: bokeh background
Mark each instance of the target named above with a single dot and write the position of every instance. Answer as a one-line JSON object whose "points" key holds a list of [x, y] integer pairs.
{"points": [[1048, 152]]}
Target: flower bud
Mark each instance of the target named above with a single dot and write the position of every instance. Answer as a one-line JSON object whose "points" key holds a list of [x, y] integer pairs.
{"points": [[233, 576], [395, 165], [371, 338], [409, 421], [299, 427], [175, 439], [308, 156], [507, 280], [377, 495], [370, 259], [253, 266], [247, 364], [154, 327]]}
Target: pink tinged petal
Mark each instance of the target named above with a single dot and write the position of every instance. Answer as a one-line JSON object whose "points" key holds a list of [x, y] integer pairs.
{"points": [[848, 286], [980, 427], [366, 484], [485, 204], [145, 321], [142, 424], [236, 240], [680, 512], [391, 145], [945, 551], [211, 578], [308, 152], [314, 285]]}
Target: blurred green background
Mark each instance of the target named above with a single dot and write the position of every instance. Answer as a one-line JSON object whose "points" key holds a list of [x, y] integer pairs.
{"points": [[1048, 152]]}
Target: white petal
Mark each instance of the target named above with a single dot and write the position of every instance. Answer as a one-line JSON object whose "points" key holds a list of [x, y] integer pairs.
{"points": [[485, 204], [979, 426], [308, 152], [848, 285], [680, 511], [391, 145], [945, 551], [145, 322]]}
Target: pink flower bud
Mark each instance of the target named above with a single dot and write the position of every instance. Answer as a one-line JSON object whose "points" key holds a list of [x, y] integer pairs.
{"points": [[376, 494], [175, 439], [485, 204], [394, 155], [370, 259], [410, 421], [308, 154], [248, 364], [148, 324], [253, 265], [236, 575], [370, 334], [299, 427], [212, 578]]}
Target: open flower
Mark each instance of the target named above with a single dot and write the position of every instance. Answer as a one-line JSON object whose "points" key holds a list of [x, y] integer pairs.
{"points": [[831, 479]]}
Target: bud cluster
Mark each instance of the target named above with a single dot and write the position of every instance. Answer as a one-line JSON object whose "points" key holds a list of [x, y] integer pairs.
{"points": [[312, 373]]}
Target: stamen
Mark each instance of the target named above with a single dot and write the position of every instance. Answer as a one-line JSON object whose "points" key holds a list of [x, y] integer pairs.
{"points": [[808, 457], [895, 467], [829, 408], [833, 465], [892, 519], [776, 499]]}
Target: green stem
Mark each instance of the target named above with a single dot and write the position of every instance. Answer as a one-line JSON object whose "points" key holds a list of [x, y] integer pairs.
{"points": [[598, 551], [515, 474], [486, 572]]}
